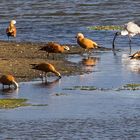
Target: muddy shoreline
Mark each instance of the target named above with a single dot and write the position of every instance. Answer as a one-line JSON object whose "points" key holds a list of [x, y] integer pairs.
{"points": [[16, 58]]}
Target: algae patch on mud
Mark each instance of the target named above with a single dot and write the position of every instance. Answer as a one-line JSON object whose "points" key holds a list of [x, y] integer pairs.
{"points": [[107, 27], [82, 88], [133, 86], [12, 103]]}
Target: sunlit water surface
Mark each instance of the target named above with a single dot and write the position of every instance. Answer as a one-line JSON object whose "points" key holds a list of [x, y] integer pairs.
{"points": [[75, 114]]}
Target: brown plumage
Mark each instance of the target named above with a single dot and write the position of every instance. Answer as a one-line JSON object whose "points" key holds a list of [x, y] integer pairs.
{"points": [[135, 55], [45, 68], [86, 43], [11, 30], [8, 80], [52, 47]]}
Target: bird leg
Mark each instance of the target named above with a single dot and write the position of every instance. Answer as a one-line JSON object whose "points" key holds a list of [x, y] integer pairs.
{"points": [[9, 86], [45, 77], [130, 43], [129, 39], [41, 75], [47, 55]]}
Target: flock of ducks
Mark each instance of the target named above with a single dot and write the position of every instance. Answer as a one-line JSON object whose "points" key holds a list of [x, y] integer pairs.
{"points": [[131, 29]]}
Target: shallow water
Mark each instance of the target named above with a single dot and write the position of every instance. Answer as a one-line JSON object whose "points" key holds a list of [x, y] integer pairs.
{"points": [[60, 21], [75, 114], [78, 114]]}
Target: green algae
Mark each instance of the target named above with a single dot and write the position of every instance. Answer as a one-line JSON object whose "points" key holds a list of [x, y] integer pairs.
{"points": [[82, 88], [132, 86], [12, 103], [107, 27]]}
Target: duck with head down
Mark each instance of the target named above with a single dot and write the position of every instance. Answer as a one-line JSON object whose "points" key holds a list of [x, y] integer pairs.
{"points": [[136, 55], [46, 68], [11, 30], [8, 80]]}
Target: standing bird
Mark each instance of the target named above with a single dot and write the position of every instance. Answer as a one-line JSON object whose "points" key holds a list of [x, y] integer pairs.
{"points": [[45, 68], [52, 47], [135, 55], [11, 30], [8, 80], [86, 43], [130, 29]]}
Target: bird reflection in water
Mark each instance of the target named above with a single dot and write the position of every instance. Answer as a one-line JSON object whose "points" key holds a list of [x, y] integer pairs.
{"points": [[49, 84], [9, 92], [89, 63], [131, 62]]}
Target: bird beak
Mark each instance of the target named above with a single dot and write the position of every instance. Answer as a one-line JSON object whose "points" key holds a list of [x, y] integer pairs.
{"points": [[113, 43], [60, 77]]}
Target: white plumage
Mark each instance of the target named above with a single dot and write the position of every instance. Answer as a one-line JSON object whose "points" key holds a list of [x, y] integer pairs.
{"points": [[130, 29]]}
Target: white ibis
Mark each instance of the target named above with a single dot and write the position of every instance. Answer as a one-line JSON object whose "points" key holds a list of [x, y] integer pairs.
{"points": [[130, 29]]}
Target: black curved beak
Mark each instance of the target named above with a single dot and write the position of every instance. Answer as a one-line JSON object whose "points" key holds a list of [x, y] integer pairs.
{"points": [[60, 77], [113, 43]]}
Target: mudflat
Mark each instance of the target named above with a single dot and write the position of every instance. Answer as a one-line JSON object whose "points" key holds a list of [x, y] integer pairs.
{"points": [[16, 58]]}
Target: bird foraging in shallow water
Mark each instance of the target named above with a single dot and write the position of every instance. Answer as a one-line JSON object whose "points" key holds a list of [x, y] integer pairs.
{"points": [[46, 68], [8, 80], [53, 47], [135, 55], [11, 30], [130, 29], [86, 43]]}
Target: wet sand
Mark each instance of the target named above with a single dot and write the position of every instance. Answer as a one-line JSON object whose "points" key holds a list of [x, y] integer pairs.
{"points": [[16, 58]]}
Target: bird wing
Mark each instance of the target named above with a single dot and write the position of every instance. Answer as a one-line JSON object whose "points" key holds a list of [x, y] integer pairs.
{"points": [[89, 43], [133, 28]]}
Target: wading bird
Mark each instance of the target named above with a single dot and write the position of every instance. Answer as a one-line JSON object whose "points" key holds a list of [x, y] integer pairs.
{"points": [[53, 47], [130, 29], [86, 43], [46, 68], [135, 55], [11, 30], [8, 80]]}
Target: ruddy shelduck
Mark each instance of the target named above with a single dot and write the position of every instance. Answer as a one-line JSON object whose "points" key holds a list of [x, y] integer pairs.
{"points": [[11, 30], [8, 80], [86, 43], [53, 47], [135, 55], [46, 68]]}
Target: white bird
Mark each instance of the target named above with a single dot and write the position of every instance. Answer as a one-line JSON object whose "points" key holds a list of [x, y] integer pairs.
{"points": [[130, 29]]}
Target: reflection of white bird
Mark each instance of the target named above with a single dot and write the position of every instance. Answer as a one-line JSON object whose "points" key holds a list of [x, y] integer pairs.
{"points": [[131, 29]]}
